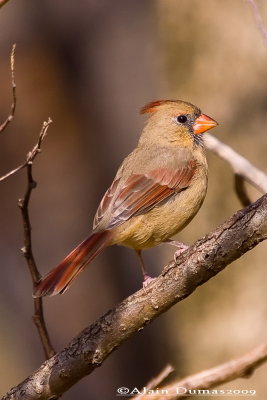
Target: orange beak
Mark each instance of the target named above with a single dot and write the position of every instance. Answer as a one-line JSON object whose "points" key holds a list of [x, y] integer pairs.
{"points": [[203, 123]]}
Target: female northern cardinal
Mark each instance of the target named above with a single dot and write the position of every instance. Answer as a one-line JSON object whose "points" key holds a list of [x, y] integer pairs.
{"points": [[156, 192]]}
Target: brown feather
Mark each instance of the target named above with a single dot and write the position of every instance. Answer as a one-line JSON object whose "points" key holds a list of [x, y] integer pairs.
{"points": [[142, 192], [59, 279]]}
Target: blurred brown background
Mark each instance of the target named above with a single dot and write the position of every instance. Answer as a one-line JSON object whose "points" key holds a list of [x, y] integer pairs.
{"points": [[90, 65]]}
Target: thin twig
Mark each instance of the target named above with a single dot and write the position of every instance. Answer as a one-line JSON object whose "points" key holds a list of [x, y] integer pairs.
{"points": [[33, 153], [23, 203], [13, 84], [239, 164], [156, 381], [259, 20], [241, 367]]}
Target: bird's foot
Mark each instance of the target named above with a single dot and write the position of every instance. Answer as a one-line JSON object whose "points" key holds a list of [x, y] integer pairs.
{"points": [[147, 281], [179, 252], [181, 247]]}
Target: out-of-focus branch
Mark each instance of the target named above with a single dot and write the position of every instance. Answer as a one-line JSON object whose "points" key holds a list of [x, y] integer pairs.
{"points": [[207, 257], [23, 203], [259, 20], [156, 381], [242, 168], [13, 84], [32, 154], [3, 2], [241, 190], [241, 367], [239, 164]]}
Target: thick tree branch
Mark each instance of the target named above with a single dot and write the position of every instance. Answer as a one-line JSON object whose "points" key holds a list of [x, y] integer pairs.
{"points": [[207, 257], [13, 84], [241, 367], [23, 203]]}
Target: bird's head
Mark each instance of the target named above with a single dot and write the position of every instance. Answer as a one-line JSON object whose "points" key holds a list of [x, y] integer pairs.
{"points": [[176, 122]]}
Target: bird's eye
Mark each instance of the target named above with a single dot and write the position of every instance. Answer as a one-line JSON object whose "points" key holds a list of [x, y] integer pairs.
{"points": [[182, 119]]}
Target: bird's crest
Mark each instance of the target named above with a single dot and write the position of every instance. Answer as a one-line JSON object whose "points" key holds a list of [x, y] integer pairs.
{"points": [[151, 107]]}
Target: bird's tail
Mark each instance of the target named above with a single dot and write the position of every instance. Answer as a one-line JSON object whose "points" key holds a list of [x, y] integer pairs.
{"points": [[59, 279]]}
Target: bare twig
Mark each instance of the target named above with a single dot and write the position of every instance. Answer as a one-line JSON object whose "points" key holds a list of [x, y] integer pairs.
{"points": [[156, 381], [241, 367], [259, 20], [207, 257], [23, 203], [13, 84], [32, 154], [240, 165], [38, 316]]}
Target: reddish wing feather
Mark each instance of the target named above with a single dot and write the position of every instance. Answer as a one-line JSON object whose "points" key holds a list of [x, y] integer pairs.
{"points": [[59, 278], [140, 193], [105, 202]]}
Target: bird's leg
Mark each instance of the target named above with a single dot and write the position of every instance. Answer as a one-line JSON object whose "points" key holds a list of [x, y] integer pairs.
{"points": [[181, 247], [146, 278]]}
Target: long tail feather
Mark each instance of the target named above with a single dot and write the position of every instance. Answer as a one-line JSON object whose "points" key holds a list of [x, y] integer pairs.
{"points": [[59, 279]]}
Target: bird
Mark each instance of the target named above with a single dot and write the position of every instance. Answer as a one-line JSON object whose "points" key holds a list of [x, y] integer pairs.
{"points": [[156, 192]]}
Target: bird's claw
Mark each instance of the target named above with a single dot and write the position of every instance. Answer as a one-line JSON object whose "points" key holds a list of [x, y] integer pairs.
{"points": [[147, 281], [181, 247]]}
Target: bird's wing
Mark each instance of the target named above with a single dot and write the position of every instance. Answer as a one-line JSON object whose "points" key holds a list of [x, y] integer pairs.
{"points": [[140, 193]]}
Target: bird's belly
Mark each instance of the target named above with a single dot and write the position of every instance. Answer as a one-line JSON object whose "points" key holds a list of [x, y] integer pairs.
{"points": [[161, 222]]}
